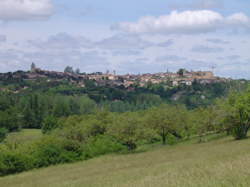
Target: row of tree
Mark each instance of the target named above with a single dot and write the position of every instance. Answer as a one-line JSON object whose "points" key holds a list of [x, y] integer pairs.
{"points": [[73, 136]]}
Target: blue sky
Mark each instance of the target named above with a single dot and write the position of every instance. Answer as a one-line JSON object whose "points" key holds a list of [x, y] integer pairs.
{"points": [[126, 36]]}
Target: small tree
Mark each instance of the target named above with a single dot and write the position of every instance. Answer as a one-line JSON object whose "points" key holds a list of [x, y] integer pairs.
{"points": [[166, 120], [205, 120], [128, 129]]}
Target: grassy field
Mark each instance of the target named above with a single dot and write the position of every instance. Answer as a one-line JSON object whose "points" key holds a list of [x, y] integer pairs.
{"points": [[222, 162], [25, 135]]}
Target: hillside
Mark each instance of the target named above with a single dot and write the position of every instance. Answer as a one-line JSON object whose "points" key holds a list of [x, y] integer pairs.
{"points": [[220, 162]]}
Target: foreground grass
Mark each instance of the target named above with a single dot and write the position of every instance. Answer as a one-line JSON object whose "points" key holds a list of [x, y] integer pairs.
{"points": [[222, 162]]}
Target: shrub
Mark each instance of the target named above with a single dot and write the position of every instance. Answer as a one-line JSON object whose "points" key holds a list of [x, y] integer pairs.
{"points": [[53, 150], [171, 139], [101, 145], [49, 124], [14, 162]]}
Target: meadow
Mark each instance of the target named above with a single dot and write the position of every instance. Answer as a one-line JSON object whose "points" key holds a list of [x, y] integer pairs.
{"points": [[24, 136], [219, 162]]}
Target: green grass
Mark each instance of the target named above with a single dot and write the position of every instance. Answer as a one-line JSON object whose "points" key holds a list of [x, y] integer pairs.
{"points": [[221, 162], [24, 136]]}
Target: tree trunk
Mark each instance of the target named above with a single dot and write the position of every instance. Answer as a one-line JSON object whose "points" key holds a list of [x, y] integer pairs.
{"points": [[164, 140]]}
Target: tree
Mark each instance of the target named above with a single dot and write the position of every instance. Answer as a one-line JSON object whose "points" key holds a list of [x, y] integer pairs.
{"points": [[128, 129], [34, 111], [10, 119], [206, 120], [78, 71], [61, 107], [181, 72], [69, 69], [166, 120], [238, 114]]}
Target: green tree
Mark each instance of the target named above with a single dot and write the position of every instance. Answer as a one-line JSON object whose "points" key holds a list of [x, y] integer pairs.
{"points": [[128, 129], [10, 119], [166, 120], [50, 123], [34, 111], [61, 107], [238, 114], [205, 120]]}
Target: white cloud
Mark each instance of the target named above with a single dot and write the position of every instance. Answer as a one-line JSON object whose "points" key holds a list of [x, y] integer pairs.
{"points": [[187, 22], [25, 9], [239, 19]]}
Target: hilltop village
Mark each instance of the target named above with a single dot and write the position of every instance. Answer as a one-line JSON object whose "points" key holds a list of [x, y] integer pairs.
{"points": [[182, 77]]}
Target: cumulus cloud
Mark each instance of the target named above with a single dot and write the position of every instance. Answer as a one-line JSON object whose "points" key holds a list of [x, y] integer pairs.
{"points": [[186, 22], [25, 9]]}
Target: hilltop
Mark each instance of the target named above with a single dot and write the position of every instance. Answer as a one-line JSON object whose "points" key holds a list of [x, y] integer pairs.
{"points": [[191, 88], [220, 162], [182, 77]]}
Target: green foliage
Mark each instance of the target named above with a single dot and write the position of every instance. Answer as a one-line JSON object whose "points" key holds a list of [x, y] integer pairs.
{"points": [[52, 150], [171, 139], [50, 123], [101, 145], [129, 129], [238, 115], [167, 120], [83, 122], [34, 111], [14, 161], [10, 119], [3, 133]]}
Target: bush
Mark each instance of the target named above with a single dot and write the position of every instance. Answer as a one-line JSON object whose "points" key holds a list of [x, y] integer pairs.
{"points": [[49, 124], [14, 162], [171, 139], [101, 145], [53, 150]]}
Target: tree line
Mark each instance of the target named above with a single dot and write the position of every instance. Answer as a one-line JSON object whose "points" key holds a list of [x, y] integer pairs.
{"points": [[75, 128]]}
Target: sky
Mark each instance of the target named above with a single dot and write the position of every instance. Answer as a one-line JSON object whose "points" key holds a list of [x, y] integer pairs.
{"points": [[141, 36]]}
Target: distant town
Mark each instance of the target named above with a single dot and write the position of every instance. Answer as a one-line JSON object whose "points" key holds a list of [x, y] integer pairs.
{"points": [[181, 77]]}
